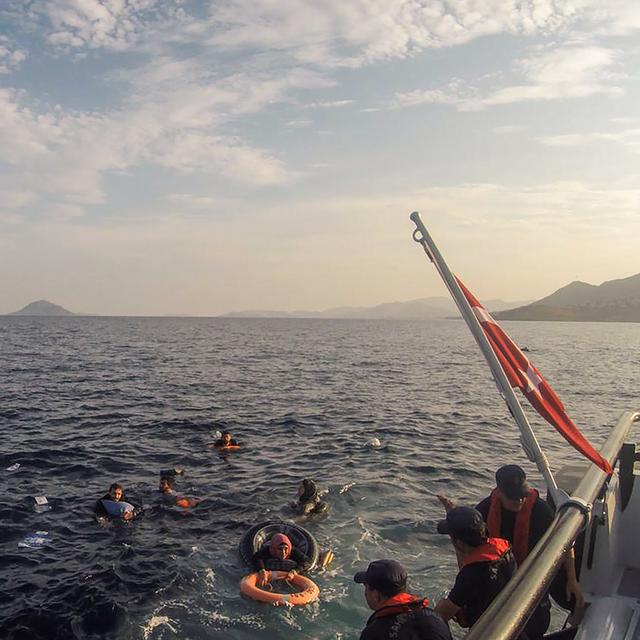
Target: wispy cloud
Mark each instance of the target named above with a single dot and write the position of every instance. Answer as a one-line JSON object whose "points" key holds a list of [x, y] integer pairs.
{"points": [[627, 137], [567, 72], [334, 104]]}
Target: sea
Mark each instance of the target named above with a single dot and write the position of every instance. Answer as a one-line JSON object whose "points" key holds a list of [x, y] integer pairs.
{"points": [[87, 401]]}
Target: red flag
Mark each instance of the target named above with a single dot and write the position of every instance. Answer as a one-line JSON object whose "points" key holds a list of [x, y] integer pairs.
{"points": [[523, 375]]}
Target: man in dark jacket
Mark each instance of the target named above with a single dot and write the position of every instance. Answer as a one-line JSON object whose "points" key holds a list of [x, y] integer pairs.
{"points": [[397, 615], [516, 512], [115, 504], [486, 565]]}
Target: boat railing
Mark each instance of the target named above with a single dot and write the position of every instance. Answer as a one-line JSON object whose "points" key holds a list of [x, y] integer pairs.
{"points": [[507, 615]]}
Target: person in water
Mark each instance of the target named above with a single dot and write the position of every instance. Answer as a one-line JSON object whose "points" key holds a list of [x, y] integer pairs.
{"points": [[166, 488], [226, 441], [115, 504], [516, 512], [278, 552], [308, 499], [486, 565], [397, 614]]}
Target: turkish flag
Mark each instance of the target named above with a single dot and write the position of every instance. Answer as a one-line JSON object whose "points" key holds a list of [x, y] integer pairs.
{"points": [[523, 375]]}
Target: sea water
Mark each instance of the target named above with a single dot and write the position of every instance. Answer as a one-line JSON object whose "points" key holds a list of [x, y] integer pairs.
{"points": [[89, 401]]}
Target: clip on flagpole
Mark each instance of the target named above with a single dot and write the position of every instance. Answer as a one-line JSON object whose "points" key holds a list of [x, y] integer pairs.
{"points": [[529, 441]]}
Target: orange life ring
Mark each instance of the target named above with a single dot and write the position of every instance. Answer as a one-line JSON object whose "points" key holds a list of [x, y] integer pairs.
{"points": [[309, 591]]}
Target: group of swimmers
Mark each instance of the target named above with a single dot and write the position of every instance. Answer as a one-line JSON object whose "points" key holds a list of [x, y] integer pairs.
{"points": [[489, 541], [115, 504]]}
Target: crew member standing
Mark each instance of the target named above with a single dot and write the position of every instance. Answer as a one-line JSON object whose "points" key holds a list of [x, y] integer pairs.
{"points": [[486, 565]]}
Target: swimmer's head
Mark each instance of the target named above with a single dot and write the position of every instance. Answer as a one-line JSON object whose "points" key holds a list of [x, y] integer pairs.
{"points": [[226, 437], [166, 484], [280, 546], [307, 489], [115, 492]]}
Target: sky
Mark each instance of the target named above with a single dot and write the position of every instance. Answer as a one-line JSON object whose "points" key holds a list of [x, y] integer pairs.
{"points": [[199, 157]]}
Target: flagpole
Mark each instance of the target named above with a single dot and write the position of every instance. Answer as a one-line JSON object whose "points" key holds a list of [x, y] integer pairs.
{"points": [[529, 441]]}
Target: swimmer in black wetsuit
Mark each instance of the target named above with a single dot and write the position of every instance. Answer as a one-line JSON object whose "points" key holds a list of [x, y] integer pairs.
{"points": [[308, 499], [109, 505], [272, 554]]}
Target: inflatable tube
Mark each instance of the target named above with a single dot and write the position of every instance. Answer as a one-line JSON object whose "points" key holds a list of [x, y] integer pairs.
{"points": [[229, 447], [116, 509], [259, 534], [309, 591]]}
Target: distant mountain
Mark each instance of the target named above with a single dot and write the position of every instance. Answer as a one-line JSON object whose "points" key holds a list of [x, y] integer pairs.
{"points": [[42, 308], [612, 301], [437, 307]]}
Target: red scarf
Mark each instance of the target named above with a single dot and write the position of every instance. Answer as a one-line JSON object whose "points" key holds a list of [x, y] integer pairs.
{"points": [[493, 549], [398, 604], [521, 526], [278, 540]]}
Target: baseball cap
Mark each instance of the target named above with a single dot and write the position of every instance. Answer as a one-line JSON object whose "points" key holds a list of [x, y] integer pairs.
{"points": [[512, 481], [464, 523], [384, 575]]}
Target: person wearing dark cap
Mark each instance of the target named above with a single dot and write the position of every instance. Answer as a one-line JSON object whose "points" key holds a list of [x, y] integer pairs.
{"points": [[396, 613], [486, 565], [516, 512]]}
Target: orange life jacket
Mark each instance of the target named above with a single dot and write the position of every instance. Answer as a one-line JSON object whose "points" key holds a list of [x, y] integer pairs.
{"points": [[398, 604], [522, 524], [493, 549]]}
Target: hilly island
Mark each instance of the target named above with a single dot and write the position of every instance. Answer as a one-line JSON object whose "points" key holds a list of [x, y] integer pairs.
{"points": [[612, 301]]}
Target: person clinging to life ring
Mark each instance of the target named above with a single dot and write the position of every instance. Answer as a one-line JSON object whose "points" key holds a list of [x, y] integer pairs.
{"points": [[273, 554]]}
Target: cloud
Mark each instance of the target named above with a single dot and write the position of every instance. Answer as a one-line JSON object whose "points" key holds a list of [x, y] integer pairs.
{"points": [[335, 104], [11, 57], [418, 97], [558, 73], [110, 24], [567, 72], [363, 31], [298, 124], [627, 137]]}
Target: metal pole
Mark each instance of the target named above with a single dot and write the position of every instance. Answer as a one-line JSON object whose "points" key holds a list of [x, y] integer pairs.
{"points": [[530, 443], [508, 613]]}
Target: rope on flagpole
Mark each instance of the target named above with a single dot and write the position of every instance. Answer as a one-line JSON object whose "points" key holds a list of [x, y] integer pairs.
{"points": [[528, 439]]}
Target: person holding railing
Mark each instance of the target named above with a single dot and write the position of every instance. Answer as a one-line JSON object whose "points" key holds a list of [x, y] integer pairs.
{"points": [[515, 512], [486, 564]]}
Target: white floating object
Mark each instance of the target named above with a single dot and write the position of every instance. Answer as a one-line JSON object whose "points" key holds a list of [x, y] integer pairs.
{"points": [[41, 504], [374, 443], [14, 467], [35, 540]]}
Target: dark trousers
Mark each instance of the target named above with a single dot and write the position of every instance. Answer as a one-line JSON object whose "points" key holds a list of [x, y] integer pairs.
{"points": [[538, 622]]}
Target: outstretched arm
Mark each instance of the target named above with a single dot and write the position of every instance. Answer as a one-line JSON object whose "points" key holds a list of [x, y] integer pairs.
{"points": [[573, 586], [447, 503]]}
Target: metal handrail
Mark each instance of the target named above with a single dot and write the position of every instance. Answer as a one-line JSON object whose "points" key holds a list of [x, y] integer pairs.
{"points": [[508, 614]]}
